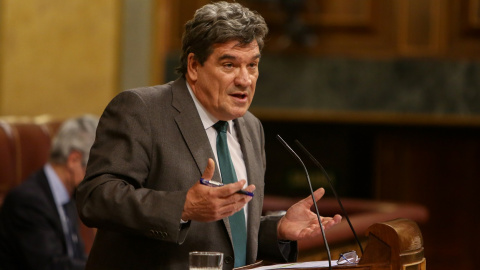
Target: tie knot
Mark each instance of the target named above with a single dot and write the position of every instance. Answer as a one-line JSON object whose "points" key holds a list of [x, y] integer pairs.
{"points": [[221, 126]]}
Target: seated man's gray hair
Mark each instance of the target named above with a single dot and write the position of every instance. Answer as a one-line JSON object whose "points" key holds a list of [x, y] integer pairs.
{"points": [[76, 134]]}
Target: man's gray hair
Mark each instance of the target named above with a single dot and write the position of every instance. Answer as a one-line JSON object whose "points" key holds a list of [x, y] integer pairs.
{"points": [[76, 134], [220, 22]]}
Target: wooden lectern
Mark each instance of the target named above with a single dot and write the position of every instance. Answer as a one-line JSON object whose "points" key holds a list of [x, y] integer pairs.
{"points": [[392, 245]]}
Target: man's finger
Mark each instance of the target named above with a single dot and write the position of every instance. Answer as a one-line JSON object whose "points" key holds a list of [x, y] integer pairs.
{"points": [[318, 194], [230, 189]]}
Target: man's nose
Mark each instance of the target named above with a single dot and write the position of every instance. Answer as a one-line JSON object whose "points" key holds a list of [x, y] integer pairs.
{"points": [[243, 78]]}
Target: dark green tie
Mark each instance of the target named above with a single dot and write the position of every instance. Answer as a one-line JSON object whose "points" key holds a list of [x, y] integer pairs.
{"points": [[237, 220]]}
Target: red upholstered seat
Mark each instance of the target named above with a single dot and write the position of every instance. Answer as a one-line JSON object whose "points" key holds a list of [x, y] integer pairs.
{"points": [[24, 148]]}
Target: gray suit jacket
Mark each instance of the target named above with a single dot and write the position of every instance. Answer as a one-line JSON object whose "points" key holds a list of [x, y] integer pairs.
{"points": [[151, 147]]}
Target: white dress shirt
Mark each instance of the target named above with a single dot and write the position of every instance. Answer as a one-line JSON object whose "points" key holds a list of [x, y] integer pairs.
{"points": [[61, 197], [234, 147]]}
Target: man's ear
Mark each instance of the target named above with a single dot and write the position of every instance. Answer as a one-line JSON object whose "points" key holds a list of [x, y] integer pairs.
{"points": [[192, 66], [74, 158]]}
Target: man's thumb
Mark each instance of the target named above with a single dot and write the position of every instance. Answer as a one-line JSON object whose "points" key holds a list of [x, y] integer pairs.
{"points": [[209, 170]]}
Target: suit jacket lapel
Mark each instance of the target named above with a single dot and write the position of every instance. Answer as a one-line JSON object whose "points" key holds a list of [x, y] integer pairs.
{"points": [[245, 141], [193, 132], [253, 167], [191, 126]]}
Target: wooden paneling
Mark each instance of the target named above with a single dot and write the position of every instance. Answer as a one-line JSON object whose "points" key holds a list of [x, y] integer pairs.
{"points": [[463, 39], [58, 57], [180, 13], [474, 14], [420, 27], [360, 28], [162, 18], [341, 13], [433, 165], [439, 168]]}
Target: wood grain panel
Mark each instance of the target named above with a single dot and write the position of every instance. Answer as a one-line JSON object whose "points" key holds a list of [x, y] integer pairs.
{"points": [[437, 168], [359, 28], [58, 57], [463, 29], [419, 23], [342, 13], [474, 13]]}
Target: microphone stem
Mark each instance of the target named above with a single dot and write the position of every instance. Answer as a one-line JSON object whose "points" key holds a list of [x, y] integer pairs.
{"points": [[315, 161], [320, 221], [290, 150]]}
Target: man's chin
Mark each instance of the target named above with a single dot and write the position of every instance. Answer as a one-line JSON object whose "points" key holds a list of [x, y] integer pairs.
{"points": [[232, 113], [232, 116], [240, 113]]}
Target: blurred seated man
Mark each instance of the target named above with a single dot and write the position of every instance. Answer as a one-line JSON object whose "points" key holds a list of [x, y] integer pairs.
{"points": [[38, 220]]}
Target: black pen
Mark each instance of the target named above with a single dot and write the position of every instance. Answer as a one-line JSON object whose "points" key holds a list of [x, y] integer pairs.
{"points": [[211, 183]]}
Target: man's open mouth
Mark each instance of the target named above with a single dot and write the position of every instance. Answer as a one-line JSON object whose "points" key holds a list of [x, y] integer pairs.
{"points": [[240, 95]]}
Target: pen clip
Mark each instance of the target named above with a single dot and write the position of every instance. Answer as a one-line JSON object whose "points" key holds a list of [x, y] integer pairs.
{"points": [[211, 183]]}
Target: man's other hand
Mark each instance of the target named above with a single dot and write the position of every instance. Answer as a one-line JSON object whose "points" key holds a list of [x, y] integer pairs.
{"points": [[300, 222]]}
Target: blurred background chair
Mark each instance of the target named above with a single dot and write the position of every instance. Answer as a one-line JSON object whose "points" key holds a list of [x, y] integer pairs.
{"points": [[25, 144]]}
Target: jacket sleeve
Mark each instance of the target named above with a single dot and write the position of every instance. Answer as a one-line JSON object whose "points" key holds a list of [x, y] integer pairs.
{"points": [[270, 248], [113, 195]]}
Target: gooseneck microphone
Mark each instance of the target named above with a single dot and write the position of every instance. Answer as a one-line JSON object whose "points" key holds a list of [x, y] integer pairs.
{"points": [[315, 161], [290, 150]]}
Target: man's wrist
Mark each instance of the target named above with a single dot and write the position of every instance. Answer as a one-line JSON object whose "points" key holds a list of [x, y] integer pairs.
{"points": [[279, 236]]}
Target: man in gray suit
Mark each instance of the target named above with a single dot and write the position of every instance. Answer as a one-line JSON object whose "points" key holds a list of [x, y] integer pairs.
{"points": [[153, 144]]}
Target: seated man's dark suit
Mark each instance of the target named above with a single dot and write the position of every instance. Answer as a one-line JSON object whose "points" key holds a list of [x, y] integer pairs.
{"points": [[31, 234], [150, 148]]}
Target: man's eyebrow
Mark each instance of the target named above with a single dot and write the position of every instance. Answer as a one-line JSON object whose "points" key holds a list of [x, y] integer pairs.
{"points": [[231, 57], [226, 56]]}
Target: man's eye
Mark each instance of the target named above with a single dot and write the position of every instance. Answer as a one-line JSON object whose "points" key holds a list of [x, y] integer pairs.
{"points": [[228, 65], [253, 65]]}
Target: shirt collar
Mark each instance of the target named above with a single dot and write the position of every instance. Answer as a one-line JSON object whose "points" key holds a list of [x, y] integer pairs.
{"points": [[208, 120], [60, 193]]}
